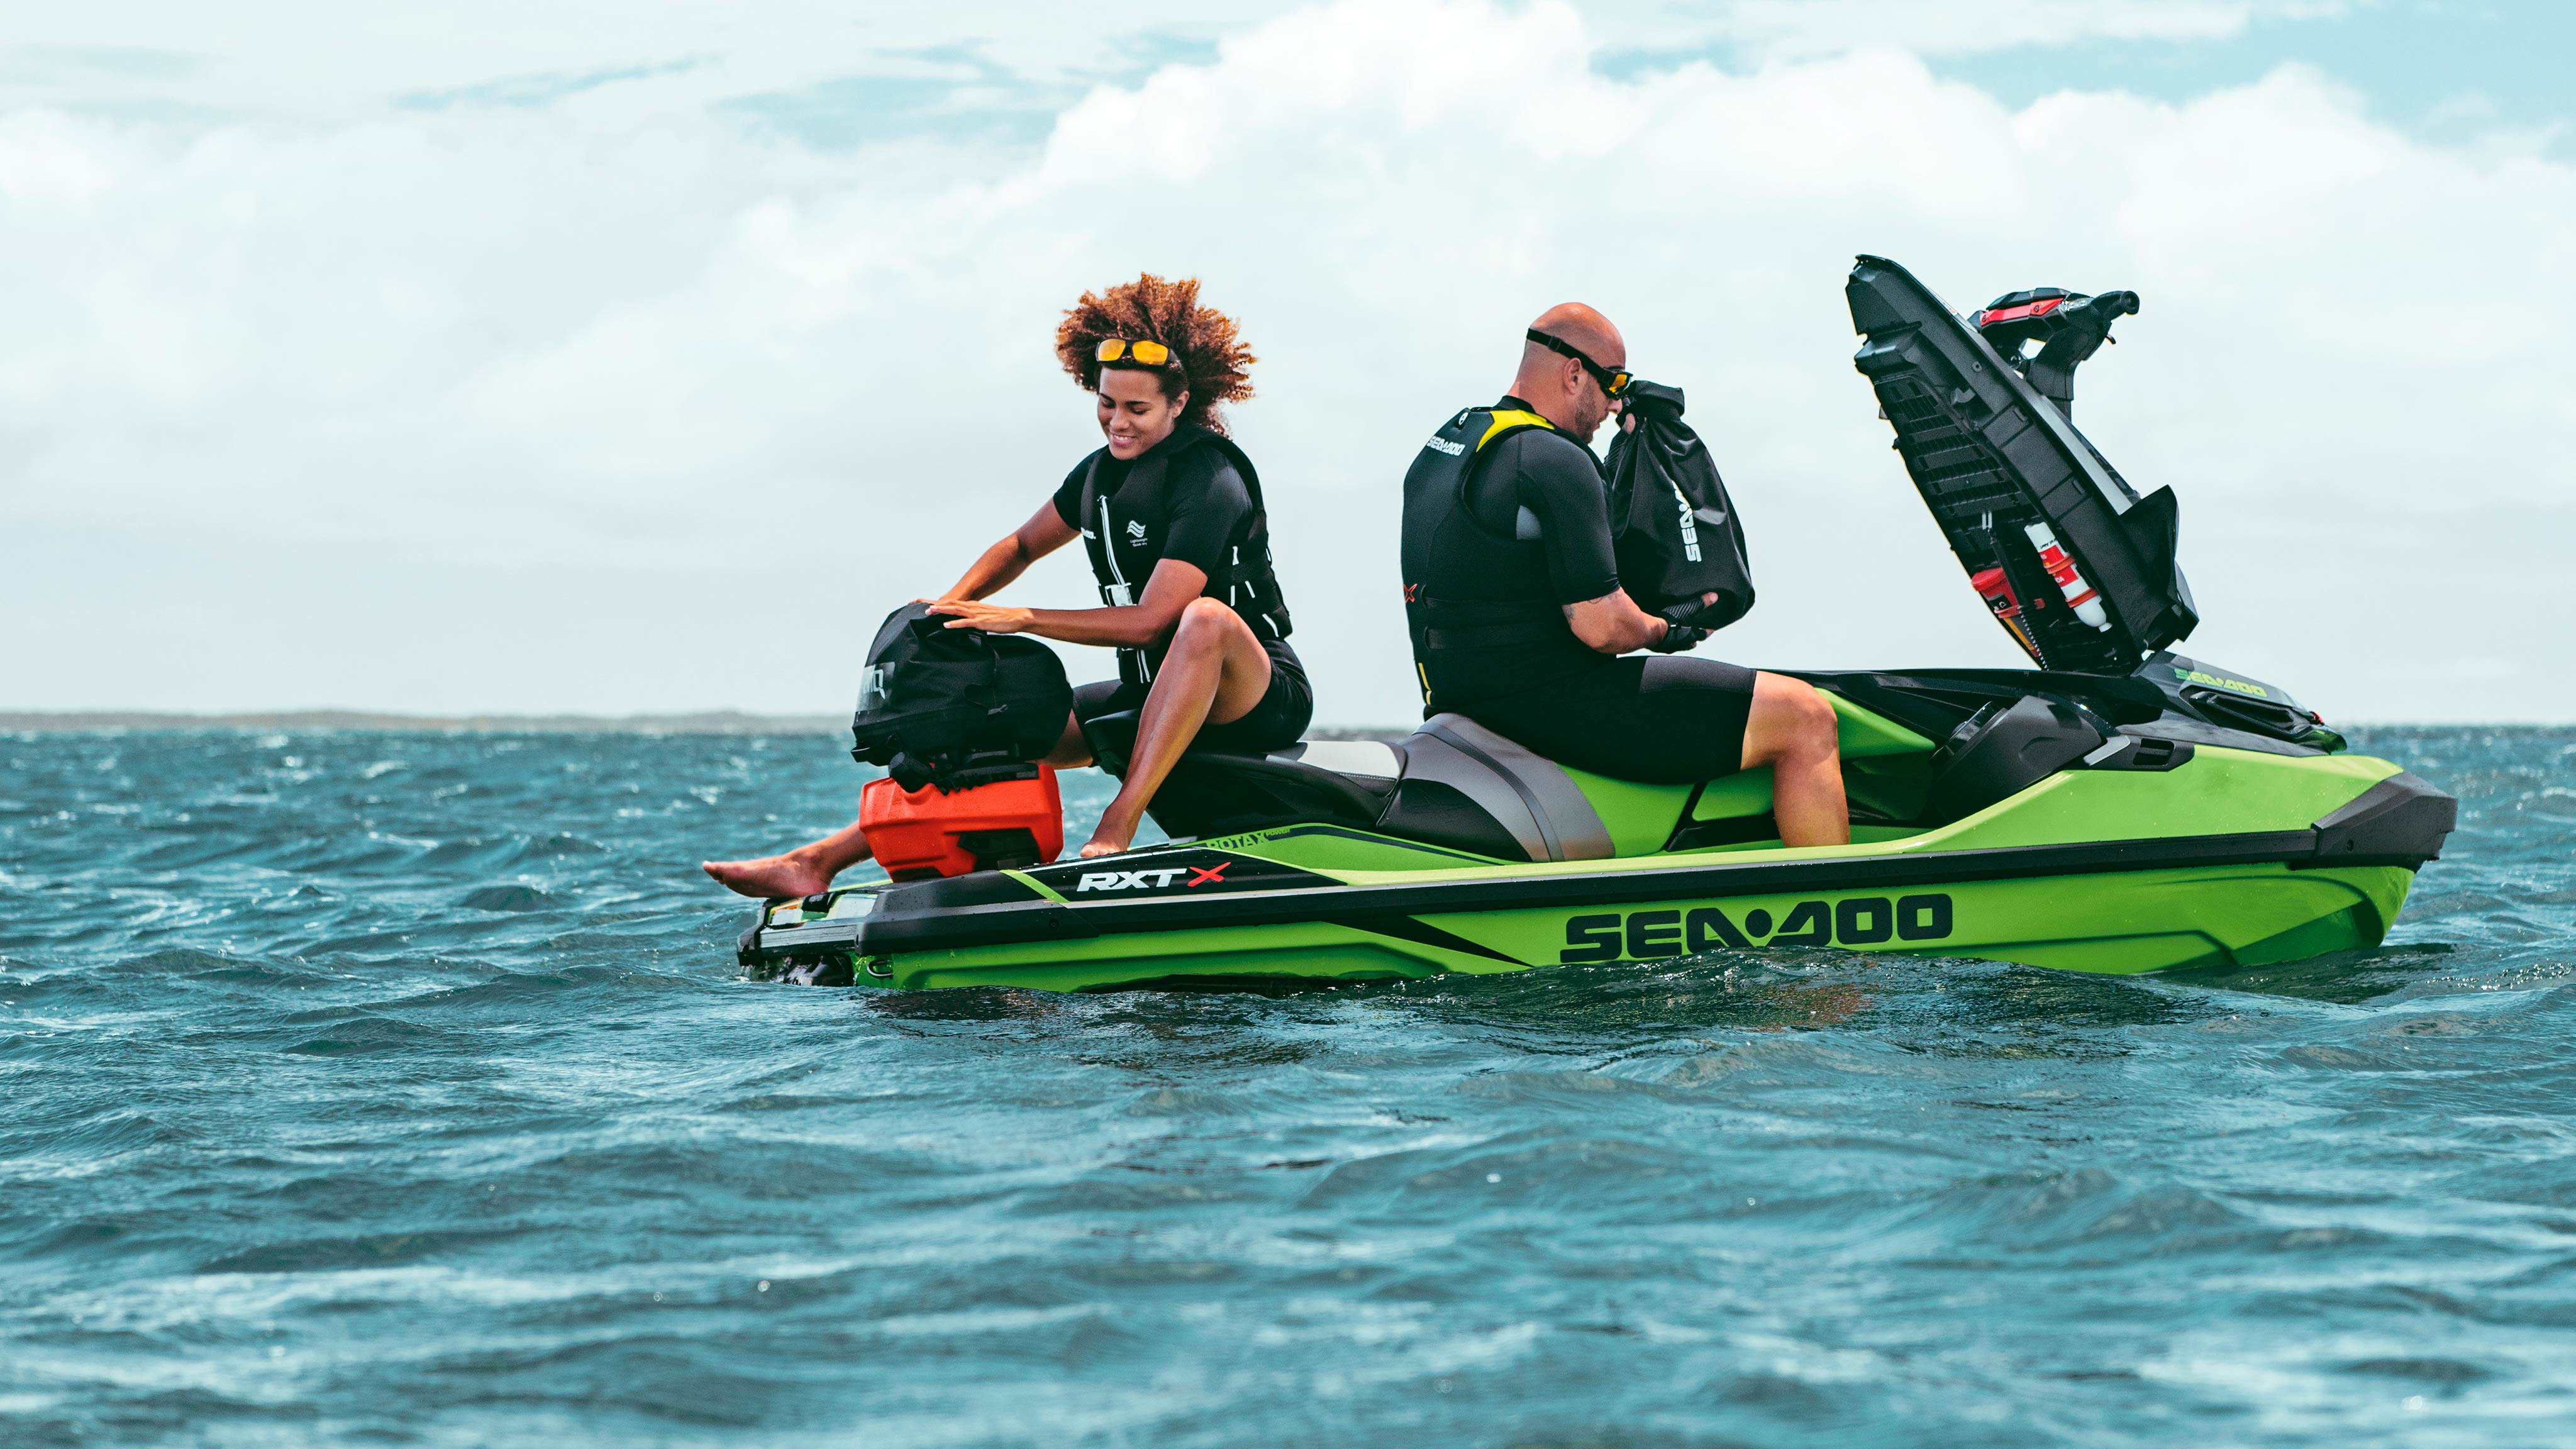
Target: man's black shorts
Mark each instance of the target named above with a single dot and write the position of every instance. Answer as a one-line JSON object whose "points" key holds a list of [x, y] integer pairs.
{"points": [[1662, 719]]}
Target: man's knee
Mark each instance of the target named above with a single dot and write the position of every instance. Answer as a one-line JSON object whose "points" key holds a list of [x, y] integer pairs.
{"points": [[1817, 724], [1805, 717]]}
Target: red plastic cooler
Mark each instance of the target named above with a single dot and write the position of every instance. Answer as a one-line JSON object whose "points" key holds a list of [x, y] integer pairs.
{"points": [[920, 834]]}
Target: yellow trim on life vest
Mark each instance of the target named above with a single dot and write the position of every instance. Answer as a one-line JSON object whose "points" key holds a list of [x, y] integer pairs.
{"points": [[1506, 418]]}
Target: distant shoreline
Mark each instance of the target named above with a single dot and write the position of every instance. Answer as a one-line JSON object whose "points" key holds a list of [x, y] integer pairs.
{"points": [[715, 722], [709, 722]]}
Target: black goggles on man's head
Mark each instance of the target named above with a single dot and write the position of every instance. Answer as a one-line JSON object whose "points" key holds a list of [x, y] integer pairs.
{"points": [[1614, 381]]}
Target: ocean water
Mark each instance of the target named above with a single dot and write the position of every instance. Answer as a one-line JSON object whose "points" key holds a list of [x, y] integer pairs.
{"points": [[382, 1089]]}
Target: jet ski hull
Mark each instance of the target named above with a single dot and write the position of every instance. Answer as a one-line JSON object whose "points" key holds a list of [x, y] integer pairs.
{"points": [[2085, 870], [2141, 921]]}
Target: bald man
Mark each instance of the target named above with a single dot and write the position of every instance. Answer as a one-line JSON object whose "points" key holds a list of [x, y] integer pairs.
{"points": [[1512, 595]]}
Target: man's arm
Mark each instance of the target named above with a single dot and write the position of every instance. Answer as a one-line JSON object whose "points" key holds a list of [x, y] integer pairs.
{"points": [[1613, 624], [1560, 483]]}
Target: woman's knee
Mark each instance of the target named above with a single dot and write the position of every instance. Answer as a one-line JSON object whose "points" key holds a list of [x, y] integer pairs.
{"points": [[1072, 748], [1203, 623]]}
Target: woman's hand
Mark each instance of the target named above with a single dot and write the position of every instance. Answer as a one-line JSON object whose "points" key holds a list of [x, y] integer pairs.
{"points": [[991, 618]]}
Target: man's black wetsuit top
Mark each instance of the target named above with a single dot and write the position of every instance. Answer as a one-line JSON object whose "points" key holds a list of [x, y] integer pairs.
{"points": [[1533, 537], [1196, 507], [1487, 576]]}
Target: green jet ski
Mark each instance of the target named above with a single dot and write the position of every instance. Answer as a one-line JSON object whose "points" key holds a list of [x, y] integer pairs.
{"points": [[2120, 808]]}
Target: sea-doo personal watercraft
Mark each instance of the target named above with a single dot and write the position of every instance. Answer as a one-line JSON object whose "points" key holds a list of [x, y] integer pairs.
{"points": [[2120, 808]]}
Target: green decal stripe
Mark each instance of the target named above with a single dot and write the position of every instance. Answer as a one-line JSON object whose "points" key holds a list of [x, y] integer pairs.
{"points": [[1363, 906], [1035, 884], [1405, 928], [1392, 842]]}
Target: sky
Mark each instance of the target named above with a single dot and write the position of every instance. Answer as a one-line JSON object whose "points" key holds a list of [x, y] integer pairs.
{"points": [[640, 357]]}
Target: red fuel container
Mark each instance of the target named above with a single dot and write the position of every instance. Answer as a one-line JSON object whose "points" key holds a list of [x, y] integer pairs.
{"points": [[1997, 591], [923, 833]]}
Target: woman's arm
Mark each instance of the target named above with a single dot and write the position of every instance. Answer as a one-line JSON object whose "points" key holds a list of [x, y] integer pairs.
{"points": [[1043, 534], [1135, 626]]}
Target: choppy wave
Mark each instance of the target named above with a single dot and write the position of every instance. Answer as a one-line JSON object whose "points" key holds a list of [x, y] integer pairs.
{"points": [[402, 1089]]}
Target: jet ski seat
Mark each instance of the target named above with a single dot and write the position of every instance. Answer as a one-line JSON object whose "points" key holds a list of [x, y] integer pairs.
{"points": [[1218, 791], [1468, 787], [1450, 783]]}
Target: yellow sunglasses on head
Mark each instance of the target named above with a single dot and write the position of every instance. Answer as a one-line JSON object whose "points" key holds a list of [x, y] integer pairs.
{"points": [[1148, 352]]}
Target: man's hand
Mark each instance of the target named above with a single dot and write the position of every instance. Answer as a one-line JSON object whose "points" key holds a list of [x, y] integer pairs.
{"points": [[1677, 613], [991, 618], [1613, 624]]}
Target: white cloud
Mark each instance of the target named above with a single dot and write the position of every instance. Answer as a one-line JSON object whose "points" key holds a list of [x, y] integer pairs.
{"points": [[606, 405], [1800, 29]]}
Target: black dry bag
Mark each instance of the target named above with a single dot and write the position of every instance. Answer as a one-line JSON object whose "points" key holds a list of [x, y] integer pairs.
{"points": [[1673, 529], [956, 707]]}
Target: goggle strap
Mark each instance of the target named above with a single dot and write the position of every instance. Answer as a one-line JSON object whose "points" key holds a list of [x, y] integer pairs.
{"points": [[1614, 381]]}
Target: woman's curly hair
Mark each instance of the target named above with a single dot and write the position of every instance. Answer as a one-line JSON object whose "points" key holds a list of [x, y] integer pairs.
{"points": [[1207, 358]]}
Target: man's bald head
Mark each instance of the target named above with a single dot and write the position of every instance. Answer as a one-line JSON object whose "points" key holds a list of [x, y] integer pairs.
{"points": [[1558, 386], [1578, 326]]}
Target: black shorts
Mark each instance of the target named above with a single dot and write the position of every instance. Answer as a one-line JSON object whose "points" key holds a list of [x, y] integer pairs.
{"points": [[1662, 718], [1277, 722]]}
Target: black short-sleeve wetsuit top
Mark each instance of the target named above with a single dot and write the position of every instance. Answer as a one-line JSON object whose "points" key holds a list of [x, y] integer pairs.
{"points": [[1199, 511], [1193, 504], [1489, 575], [1535, 534]]}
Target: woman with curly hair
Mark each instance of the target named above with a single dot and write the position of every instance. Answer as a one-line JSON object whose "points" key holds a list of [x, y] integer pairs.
{"points": [[1169, 510]]}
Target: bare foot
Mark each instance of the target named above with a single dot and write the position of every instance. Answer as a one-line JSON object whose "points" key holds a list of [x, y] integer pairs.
{"points": [[792, 874], [1112, 838]]}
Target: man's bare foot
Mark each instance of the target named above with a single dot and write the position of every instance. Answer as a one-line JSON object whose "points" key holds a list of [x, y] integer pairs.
{"points": [[792, 874]]}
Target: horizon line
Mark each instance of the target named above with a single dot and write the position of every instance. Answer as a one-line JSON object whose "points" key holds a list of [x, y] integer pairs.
{"points": [[672, 722]]}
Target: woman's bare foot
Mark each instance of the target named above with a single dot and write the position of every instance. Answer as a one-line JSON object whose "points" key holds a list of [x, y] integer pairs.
{"points": [[792, 874], [1112, 838]]}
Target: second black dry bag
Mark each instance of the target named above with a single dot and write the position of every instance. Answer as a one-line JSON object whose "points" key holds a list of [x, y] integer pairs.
{"points": [[1673, 529], [956, 707]]}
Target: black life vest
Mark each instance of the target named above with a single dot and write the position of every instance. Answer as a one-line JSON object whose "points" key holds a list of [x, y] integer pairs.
{"points": [[1436, 487], [1124, 531], [1673, 530]]}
